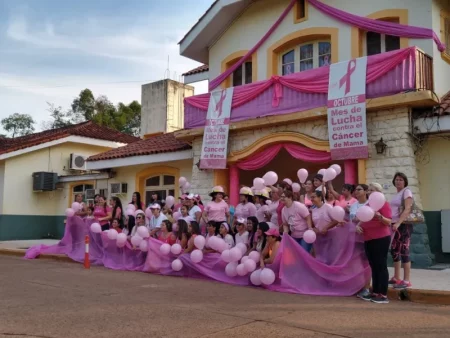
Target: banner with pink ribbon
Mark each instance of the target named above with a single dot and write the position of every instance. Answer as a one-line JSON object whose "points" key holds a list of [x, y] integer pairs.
{"points": [[347, 129]]}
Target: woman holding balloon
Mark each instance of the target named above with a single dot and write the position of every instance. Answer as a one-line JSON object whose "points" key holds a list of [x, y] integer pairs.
{"points": [[321, 214], [245, 208], [217, 210]]}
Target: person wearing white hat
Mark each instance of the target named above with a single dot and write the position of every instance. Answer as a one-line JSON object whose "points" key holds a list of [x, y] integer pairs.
{"points": [[217, 210], [245, 208], [194, 210], [241, 235], [156, 219], [263, 196], [224, 234]]}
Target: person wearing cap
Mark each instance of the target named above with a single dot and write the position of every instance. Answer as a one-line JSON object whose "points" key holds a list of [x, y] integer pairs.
{"points": [[194, 210], [217, 210], [263, 196], [271, 249], [245, 208], [296, 219], [156, 219], [241, 235], [224, 234]]}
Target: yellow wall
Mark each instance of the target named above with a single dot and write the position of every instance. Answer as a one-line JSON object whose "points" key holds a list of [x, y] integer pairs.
{"points": [[18, 195], [434, 178]]}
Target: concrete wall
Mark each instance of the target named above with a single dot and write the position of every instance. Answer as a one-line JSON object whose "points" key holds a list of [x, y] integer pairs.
{"points": [[162, 106], [441, 67]]}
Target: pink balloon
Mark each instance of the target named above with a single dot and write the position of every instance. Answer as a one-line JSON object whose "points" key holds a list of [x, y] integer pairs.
{"points": [[365, 213], [76, 206], [170, 200], [258, 183], [199, 242], [240, 269], [70, 212], [242, 247], [96, 228], [143, 246], [309, 236], [302, 175], [250, 265], [148, 213], [270, 178], [288, 181], [176, 215], [225, 256], [336, 168], [255, 277], [143, 232], [121, 240], [136, 240], [131, 207], [139, 211], [376, 200], [254, 256], [186, 187], [165, 249], [267, 276], [230, 269], [177, 265], [296, 187], [129, 212], [330, 174], [244, 259], [176, 249], [112, 234], [338, 213], [196, 256], [321, 172], [235, 254], [181, 181]]}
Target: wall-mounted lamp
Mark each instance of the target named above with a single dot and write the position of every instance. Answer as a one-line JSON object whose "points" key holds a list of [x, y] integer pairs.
{"points": [[380, 146]]}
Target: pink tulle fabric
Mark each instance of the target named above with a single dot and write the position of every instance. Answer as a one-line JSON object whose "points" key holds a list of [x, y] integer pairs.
{"points": [[340, 269], [261, 158]]}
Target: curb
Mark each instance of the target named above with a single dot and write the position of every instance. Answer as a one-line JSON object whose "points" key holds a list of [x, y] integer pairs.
{"points": [[431, 297]]}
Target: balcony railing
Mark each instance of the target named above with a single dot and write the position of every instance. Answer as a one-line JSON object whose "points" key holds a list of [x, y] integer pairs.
{"points": [[410, 72]]}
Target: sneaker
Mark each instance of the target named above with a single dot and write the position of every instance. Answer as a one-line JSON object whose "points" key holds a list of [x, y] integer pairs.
{"points": [[368, 297], [363, 293], [393, 281], [402, 285], [379, 299]]}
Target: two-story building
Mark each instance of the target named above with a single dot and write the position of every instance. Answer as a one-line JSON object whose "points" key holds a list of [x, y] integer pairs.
{"points": [[408, 76]]}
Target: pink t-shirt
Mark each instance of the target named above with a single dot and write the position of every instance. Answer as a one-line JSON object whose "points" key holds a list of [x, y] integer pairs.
{"points": [[99, 212], [375, 229], [260, 213], [341, 202], [321, 216], [396, 203], [295, 216], [245, 210], [308, 202], [216, 211]]}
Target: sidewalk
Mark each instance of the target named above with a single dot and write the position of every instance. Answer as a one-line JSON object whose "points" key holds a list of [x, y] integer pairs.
{"points": [[429, 286]]}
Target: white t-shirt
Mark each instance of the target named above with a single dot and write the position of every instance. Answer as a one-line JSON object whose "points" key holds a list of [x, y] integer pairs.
{"points": [[242, 238], [193, 211], [156, 222], [229, 240], [273, 210]]}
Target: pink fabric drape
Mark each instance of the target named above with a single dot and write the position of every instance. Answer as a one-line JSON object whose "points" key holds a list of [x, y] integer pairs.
{"points": [[311, 81], [260, 159], [378, 26], [218, 80]]}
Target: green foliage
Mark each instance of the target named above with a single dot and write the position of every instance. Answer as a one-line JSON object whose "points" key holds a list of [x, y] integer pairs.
{"points": [[18, 124]]}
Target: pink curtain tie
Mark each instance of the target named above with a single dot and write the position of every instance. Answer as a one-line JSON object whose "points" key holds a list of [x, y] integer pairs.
{"points": [[277, 90]]}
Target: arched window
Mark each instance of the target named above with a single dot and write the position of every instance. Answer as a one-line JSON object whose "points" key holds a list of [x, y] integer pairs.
{"points": [[305, 56], [163, 185], [376, 43], [81, 189], [243, 75]]}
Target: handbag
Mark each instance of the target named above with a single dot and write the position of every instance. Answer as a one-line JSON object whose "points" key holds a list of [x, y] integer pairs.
{"points": [[415, 216]]}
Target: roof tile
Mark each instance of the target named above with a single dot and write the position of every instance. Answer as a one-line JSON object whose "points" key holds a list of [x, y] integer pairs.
{"points": [[444, 108], [163, 143], [200, 69]]}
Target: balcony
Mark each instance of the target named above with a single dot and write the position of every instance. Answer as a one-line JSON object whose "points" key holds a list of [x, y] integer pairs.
{"points": [[388, 74]]}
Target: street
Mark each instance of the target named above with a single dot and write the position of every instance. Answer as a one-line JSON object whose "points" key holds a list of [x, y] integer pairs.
{"points": [[45, 298]]}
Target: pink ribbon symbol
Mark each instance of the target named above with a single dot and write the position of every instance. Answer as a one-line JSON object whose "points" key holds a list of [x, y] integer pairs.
{"points": [[277, 92], [219, 104], [346, 78]]}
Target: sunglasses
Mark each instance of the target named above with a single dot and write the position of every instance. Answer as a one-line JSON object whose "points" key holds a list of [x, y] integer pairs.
{"points": [[139, 217]]}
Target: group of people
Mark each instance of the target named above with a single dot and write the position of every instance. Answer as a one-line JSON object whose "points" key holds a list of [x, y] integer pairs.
{"points": [[263, 217]]}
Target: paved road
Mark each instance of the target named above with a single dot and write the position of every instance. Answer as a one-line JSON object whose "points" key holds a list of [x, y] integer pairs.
{"points": [[45, 298]]}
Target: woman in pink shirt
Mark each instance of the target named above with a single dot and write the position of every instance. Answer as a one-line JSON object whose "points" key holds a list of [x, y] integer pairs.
{"points": [[296, 219], [321, 214], [306, 198], [346, 199], [102, 213], [245, 208], [217, 210]]}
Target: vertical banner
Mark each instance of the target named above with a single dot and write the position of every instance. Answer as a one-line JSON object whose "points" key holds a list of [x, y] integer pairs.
{"points": [[347, 129], [215, 137]]}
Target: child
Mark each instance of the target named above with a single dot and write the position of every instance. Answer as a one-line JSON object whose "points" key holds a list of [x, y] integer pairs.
{"points": [[90, 212], [116, 225]]}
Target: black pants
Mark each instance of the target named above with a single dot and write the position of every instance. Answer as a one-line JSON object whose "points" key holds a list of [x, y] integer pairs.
{"points": [[377, 252], [105, 226]]}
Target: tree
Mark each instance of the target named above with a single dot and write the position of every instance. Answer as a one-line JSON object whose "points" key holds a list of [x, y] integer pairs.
{"points": [[18, 124], [59, 118], [83, 107]]}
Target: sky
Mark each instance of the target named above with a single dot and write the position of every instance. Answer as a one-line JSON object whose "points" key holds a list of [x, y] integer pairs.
{"points": [[50, 50]]}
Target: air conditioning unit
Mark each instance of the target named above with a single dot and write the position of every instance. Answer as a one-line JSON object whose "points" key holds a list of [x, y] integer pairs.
{"points": [[44, 181], [89, 193], [78, 162], [119, 188]]}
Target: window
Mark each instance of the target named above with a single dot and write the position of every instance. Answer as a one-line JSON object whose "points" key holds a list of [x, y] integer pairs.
{"points": [[306, 56], [380, 43], [445, 34], [243, 75], [300, 11], [81, 189], [163, 185]]}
